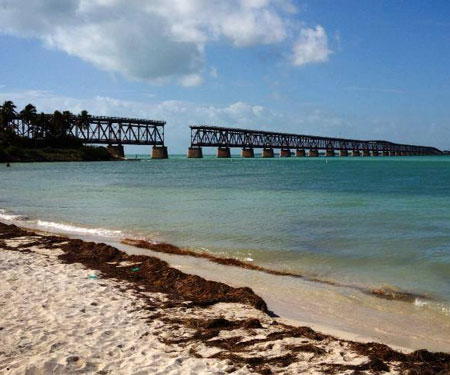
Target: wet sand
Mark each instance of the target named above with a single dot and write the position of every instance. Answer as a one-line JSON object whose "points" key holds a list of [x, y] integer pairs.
{"points": [[71, 306]]}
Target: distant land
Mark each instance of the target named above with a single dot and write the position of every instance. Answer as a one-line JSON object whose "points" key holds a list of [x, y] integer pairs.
{"points": [[50, 141]]}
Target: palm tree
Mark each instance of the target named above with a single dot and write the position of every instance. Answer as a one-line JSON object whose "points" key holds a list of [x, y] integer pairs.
{"points": [[42, 125], [29, 116], [56, 124], [83, 122], [83, 119], [7, 113], [68, 120]]}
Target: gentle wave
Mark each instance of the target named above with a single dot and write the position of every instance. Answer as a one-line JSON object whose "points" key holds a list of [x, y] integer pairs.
{"points": [[432, 305], [59, 227], [74, 229], [418, 301], [10, 217]]}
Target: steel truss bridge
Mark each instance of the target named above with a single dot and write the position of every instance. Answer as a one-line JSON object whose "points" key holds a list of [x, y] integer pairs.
{"points": [[113, 131], [223, 137], [103, 130]]}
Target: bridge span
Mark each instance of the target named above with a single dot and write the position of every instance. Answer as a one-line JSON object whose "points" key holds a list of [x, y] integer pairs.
{"points": [[225, 138], [112, 131]]}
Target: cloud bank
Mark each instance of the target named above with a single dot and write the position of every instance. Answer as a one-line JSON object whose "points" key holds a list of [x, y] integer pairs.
{"points": [[160, 40]]}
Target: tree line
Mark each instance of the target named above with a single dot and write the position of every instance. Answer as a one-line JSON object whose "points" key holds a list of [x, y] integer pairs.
{"points": [[40, 125]]}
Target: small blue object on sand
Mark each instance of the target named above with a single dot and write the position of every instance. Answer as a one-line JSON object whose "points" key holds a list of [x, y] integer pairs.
{"points": [[93, 277]]}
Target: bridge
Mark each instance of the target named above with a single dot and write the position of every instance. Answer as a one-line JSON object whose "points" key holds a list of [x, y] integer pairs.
{"points": [[112, 131], [224, 138]]}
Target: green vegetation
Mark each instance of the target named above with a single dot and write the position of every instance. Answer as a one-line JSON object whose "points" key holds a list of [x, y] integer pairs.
{"points": [[43, 137]]}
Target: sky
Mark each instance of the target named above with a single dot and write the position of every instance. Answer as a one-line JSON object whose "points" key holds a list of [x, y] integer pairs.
{"points": [[366, 69]]}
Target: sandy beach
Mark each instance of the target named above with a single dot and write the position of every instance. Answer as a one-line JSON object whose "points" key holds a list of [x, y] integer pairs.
{"points": [[70, 306]]}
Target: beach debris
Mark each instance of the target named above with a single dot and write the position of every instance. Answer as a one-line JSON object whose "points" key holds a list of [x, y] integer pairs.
{"points": [[135, 269], [195, 314], [93, 276]]}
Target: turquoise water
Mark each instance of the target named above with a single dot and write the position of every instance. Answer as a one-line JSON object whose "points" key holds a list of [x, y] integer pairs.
{"points": [[369, 222]]}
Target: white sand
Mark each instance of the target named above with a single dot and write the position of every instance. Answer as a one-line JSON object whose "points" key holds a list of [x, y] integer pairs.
{"points": [[56, 320]]}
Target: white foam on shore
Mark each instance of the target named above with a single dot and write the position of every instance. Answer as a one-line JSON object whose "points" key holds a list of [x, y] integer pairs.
{"points": [[56, 227], [432, 305], [67, 228], [5, 215]]}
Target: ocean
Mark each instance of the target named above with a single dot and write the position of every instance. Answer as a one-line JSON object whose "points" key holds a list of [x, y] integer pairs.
{"points": [[370, 223]]}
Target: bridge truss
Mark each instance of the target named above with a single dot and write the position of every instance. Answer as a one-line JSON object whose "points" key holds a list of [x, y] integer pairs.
{"points": [[102, 130], [212, 136]]}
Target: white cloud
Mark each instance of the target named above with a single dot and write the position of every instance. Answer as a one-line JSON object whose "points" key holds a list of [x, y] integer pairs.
{"points": [[191, 80], [157, 40], [311, 47]]}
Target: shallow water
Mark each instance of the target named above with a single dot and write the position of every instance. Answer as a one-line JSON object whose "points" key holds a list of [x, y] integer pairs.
{"points": [[369, 222]]}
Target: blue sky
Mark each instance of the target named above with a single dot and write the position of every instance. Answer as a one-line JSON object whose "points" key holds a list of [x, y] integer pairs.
{"points": [[363, 69]]}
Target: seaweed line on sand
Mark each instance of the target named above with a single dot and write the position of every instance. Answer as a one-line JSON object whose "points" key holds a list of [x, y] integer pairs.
{"points": [[162, 247], [192, 311]]}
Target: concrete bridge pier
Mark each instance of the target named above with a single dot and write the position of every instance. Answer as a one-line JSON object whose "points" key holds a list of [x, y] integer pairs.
{"points": [[366, 153], [247, 153], [285, 153], [313, 153], [159, 152], [356, 153], [194, 153], [343, 153], [223, 153], [329, 153], [391, 153], [385, 153], [116, 151], [375, 153], [267, 153], [300, 153]]}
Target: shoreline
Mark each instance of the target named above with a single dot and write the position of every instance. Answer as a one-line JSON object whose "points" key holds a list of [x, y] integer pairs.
{"points": [[166, 248], [334, 309], [201, 309]]}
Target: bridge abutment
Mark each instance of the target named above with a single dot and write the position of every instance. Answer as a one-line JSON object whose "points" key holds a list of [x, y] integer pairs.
{"points": [[267, 153], [247, 153], [159, 152], [194, 153], [285, 153], [223, 153], [116, 151]]}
